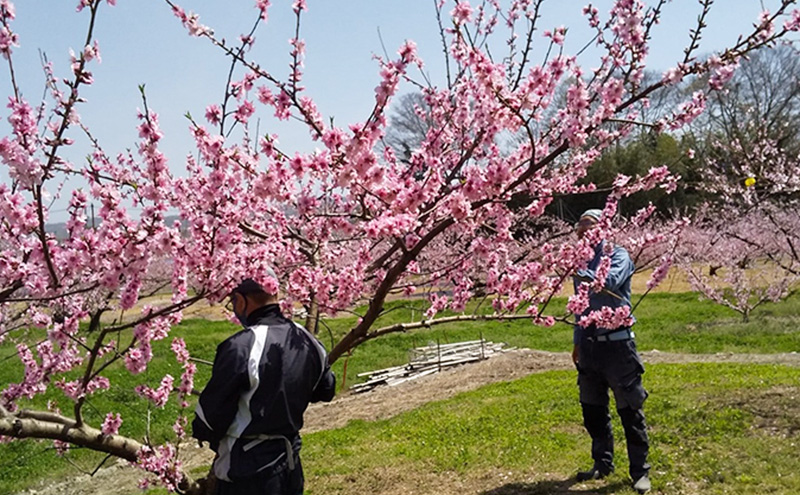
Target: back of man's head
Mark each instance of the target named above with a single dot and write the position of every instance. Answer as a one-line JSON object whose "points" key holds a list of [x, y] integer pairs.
{"points": [[258, 292]]}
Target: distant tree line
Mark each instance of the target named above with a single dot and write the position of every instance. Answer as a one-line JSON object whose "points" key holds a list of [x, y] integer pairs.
{"points": [[761, 102]]}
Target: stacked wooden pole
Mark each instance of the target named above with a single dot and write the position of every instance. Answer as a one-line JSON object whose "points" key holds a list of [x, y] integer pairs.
{"points": [[427, 360]]}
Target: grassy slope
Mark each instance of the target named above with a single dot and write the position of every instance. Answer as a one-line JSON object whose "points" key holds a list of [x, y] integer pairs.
{"points": [[668, 322], [702, 428]]}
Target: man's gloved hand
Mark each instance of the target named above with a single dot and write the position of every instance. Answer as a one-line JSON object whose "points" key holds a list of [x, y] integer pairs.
{"points": [[575, 354]]}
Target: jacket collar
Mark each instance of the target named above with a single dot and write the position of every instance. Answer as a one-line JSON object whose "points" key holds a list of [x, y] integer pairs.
{"points": [[258, 314]]}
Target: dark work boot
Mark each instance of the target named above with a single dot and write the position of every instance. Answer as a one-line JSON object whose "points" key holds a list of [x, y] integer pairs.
{"points": [[595, 473]]}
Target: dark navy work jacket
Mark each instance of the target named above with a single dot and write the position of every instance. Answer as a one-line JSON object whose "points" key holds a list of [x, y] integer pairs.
{"points": [[263, 379]]}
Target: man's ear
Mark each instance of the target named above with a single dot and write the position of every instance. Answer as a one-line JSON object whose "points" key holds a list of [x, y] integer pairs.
{"points": [[238, 299]]}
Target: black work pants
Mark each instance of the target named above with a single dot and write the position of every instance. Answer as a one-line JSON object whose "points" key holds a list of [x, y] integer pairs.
{"points": [[278, 481], [615, 365]]}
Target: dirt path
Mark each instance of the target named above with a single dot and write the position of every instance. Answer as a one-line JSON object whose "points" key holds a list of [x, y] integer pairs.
{"points": [[385, 402]]}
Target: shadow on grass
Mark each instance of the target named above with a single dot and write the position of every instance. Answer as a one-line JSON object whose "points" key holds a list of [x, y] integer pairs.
{"points": [[554, 487]]}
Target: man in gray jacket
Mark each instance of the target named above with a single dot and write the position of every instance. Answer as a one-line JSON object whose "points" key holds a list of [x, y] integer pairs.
{"points": [[607, 358], [251, 410]]}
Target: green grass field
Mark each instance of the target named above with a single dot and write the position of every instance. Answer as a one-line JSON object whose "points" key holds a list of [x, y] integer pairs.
{"points": [[707, 430]]}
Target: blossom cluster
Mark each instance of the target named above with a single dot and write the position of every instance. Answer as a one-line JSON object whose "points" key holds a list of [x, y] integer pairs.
{"points": [[162, 462], [160, 395], [189, 370], [111, 424]]}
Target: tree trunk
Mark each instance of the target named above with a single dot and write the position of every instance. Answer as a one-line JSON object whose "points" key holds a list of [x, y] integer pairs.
{"points": [[312, 317]]}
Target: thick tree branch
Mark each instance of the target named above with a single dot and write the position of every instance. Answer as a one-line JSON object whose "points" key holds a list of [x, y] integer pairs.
{"points": [[6, 293], [54, 427]]}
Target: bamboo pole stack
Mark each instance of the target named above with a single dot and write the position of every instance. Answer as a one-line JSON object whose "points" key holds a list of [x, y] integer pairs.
{"points": [[427, 360]]}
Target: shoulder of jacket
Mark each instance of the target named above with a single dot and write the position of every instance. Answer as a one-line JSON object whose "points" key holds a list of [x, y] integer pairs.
{"points": [[242, 338], [619, 249]]}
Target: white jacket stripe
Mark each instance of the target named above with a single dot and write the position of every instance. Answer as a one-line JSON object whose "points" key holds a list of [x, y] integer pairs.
{"points": [[243, 416]]}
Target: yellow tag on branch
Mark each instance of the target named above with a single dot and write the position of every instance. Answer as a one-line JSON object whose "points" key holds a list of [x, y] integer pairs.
{"points": [[750, 182]]}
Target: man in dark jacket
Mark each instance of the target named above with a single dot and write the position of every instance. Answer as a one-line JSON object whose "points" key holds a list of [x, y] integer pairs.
{"points": [[607, 358], [251, 410]]}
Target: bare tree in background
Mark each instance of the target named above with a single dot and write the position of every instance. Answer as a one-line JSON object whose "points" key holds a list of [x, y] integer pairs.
{"points": [[765, 94], [408, 125]]}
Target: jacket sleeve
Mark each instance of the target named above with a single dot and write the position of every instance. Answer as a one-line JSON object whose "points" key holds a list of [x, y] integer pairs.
{"points": [[622, 269], [326, 387], [577, 333], [219, 400]]}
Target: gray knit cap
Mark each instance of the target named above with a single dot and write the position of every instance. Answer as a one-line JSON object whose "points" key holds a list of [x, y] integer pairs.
{"points": [[250, 286], [594, 214]]}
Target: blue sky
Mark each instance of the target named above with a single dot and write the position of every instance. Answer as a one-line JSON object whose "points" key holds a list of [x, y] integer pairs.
{"points": [[141, 42]]}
